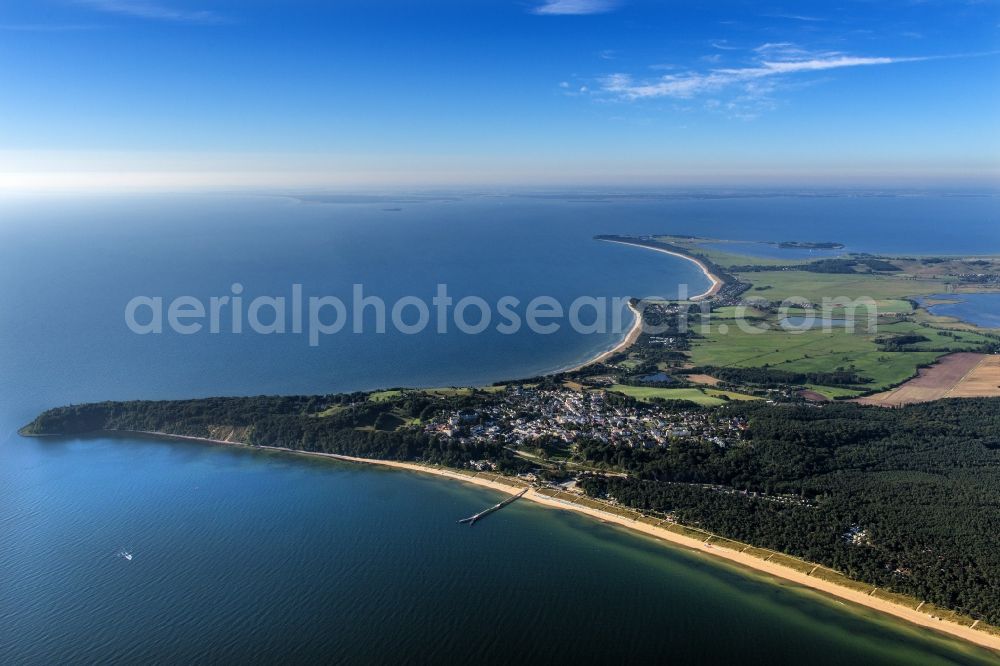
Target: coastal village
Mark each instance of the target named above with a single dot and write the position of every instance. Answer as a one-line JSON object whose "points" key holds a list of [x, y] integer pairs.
{"points": [[523, 416]]}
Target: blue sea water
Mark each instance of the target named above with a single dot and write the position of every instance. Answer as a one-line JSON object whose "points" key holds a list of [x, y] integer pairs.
{"points": [[245, 556], [979, 309], [766, 250]]}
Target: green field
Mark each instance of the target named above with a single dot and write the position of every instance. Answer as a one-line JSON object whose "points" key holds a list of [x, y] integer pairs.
{"points": [[937, 338], [809, 351], [813, 287], [730, 256], [884, 307], [744, 312], [828, 351], [833, 392], [889, 342], [706, 397], [734, 258], [725, 344], [379, 396]]}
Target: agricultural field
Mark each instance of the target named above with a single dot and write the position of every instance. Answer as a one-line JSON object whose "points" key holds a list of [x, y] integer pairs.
{"points": [[961, 375], [952, 340], [705, 397], [934, 267], [808, 351], [884, 308], [983, 380], [831, 392], [703, 379], [882, 348], [814, 287]]}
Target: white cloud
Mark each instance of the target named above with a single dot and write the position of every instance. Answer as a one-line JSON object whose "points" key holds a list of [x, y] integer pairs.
{"points": [[153, 10], [798, 17], [781, 47], [692, 84], [575, 7], [789, 51]]}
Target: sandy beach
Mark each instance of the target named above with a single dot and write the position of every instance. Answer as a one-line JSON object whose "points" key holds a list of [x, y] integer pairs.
{"points": [[714, 279], [772, 568], [636, 330], [912, 615], [633, 334]]}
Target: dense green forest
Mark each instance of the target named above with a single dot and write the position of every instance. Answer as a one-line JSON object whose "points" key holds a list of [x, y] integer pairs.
{"points": [[843, 265], [907, 499], [919, 486], [348, 424]]}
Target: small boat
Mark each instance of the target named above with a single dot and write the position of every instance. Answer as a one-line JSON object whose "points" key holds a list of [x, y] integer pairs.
{"points": [[125, 555]]}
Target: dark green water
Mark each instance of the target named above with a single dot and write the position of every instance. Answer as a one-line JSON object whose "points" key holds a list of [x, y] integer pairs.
{"points": [[243, 556]]}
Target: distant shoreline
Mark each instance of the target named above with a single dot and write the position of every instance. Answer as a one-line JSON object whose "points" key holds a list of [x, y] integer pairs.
{"points": [[739, 557], [716, 281], [636, 330]]}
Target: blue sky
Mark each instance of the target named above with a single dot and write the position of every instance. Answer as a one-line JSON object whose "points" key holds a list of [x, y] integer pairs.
{"points": [[135, 93]]}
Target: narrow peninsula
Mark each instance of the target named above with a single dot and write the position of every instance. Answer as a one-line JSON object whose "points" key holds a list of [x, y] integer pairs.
{"points": [[762, 449]]}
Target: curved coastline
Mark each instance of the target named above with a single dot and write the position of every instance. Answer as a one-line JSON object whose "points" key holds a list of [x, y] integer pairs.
{"points": [[716, 281], [738, 557], [630, 337], [633, 333]]}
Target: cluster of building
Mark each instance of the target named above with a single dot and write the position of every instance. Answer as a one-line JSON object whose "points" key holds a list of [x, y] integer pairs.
{"points": [[520, 416], [980, 278]]}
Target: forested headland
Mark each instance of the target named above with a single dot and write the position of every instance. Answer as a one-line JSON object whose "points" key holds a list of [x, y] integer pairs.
{"points": [[907, 499]]}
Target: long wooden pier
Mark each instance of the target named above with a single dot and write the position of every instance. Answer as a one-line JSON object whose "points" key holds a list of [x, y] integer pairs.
{"points": [[471, 520]]}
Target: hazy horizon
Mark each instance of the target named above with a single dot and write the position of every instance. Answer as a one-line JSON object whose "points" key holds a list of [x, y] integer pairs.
{"points": [[213, 94]]}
